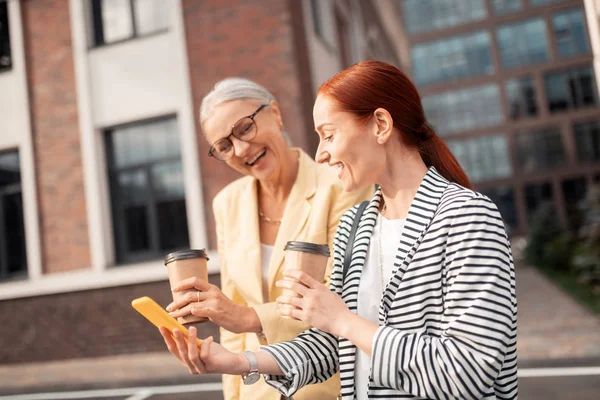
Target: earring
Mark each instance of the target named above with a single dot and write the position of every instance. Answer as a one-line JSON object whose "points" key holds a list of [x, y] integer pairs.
{"points": [[380, 140]]}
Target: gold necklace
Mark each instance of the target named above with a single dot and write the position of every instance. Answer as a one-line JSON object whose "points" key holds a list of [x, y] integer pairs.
{"points": [[267, 219]]}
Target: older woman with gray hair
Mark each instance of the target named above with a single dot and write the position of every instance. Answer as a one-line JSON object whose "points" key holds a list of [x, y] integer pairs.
{"points": [[283, 196]]}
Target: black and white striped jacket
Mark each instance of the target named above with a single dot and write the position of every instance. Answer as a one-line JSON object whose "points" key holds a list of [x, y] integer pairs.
{"points": [[448, 316]]}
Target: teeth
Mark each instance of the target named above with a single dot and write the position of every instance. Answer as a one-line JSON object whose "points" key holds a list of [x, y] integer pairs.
{"points": [[257, 157]]}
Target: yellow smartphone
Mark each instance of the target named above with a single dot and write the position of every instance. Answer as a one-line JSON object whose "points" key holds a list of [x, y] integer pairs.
{"points": [[157, 315]]}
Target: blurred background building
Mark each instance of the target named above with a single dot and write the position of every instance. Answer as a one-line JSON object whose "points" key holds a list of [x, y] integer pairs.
{"points": [[103, 167], [510, 85]]}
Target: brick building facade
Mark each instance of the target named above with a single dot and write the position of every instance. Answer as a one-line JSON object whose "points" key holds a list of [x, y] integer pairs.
{"points": [[103, 166]]}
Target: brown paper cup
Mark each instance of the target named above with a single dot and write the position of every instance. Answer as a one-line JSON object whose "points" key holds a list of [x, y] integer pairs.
{"points": [[187, 264], [308, 257]]}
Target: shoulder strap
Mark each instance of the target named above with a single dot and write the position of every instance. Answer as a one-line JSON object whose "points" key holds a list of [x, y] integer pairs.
{"points": [[350, 245]]}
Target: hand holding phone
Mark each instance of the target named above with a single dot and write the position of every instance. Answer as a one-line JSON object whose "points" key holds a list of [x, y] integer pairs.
{"points": [[158, 316]]}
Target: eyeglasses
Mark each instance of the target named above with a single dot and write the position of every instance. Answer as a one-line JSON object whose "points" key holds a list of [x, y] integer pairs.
{"points": [[244, 129]]}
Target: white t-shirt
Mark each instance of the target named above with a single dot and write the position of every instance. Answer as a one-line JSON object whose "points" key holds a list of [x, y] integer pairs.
{"points": [[266, 252], [370, 290]]}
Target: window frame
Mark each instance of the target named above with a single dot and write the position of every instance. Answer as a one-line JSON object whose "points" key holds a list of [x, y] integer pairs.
{"points": [[97, 26], [120, 239], [571, 73], [522, 99], [514, 28]]}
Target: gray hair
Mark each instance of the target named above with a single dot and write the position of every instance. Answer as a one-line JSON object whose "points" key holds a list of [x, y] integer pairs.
{"points": [[230, 89], [233, 88]]}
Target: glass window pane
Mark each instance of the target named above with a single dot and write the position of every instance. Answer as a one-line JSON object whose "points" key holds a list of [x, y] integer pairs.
{"points": [[540, 150], [587, 141], [146, 142], [453, 58], [5, 54], [151, 15], [571, 89], [464, 109], [136, 228], [429, 15], [133, 186], [147, 189], [117, 22], [483, 158], [570, 33], [543, 2], [172, 222], [506, 6], [10, 171], [167, 180], [520, 94], [523, 43], [12, 211]]}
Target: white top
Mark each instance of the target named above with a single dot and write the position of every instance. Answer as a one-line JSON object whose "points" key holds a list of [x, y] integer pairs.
{"points": [[370, 290], [266, 252]]}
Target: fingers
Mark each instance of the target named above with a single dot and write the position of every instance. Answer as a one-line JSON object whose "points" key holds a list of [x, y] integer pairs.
{"points": [[171, 345], [192, 283], [187, 298], [205, 350], [182, 349], [294, 301], [293, 285], [192, 344], [303, 278], [182, 312]]}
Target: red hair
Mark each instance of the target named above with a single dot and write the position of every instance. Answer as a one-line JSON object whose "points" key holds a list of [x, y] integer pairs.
{"points": [[369, 85]]}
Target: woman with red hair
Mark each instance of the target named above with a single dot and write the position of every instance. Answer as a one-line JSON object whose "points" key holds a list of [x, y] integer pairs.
{"points": [[422, 301]]}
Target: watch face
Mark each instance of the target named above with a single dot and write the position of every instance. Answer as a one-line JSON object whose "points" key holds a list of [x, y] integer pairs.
{"points": [[252, 378]]}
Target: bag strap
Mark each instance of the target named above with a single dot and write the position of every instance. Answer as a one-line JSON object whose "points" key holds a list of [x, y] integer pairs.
{"points": [[350, 245]]}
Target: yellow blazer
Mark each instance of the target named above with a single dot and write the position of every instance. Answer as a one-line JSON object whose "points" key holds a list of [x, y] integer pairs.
{"points": [[314, 207]]}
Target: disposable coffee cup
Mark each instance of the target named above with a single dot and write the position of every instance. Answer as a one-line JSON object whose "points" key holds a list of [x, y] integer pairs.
{"points": [[186, 264], [310, 258]]}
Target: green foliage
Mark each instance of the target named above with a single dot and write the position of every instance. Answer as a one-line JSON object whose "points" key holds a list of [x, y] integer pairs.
{"points": [[547, 239]]}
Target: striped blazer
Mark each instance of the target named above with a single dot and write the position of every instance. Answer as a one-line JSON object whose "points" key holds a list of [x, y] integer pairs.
{"points": [[448, 315]]}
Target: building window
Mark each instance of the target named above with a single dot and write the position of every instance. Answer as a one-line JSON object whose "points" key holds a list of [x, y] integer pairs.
{"points": [[147, 190], [502, 7], [504, 198], [571, 89], [538, 195], [520, 95], [5, 56], [587, 141], [536, 3], [570, 33], [464, 109], [540, 150], [13, 256], [454, 58], [430, 15], [483, 158], [523, 43], [323, 21], [574, 191], [118, 20]]}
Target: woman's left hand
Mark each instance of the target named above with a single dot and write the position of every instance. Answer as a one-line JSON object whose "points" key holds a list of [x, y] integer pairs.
{"points": [[208, 301], [318, 306]]}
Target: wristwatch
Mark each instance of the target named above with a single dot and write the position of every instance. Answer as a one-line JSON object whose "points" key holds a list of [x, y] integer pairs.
{"points": [[253, 376]]}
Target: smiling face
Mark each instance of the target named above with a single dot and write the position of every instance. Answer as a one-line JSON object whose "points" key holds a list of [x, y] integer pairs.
{"points": [[260, 157], [348, 145]]}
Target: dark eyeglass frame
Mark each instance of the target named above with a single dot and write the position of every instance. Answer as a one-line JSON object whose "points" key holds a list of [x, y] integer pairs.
{"points": [[211, 151]]}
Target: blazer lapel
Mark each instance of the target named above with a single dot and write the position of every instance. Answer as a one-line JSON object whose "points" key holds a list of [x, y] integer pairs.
{"points": [[296, 212], [247, 268], [420, 214]]}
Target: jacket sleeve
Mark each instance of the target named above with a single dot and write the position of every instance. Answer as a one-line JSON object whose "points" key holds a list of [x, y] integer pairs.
{"points": [[312, 357], [231, 341], [479, 320]]}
